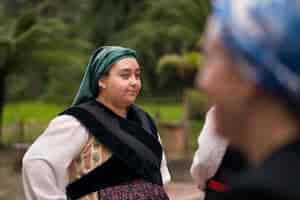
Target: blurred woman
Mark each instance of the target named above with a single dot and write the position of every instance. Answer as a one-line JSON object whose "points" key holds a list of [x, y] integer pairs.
{"points": [[252, 75], [103, 146]]}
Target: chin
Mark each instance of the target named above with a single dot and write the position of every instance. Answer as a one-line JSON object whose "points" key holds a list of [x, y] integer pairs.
{"points": [[129, 101]]}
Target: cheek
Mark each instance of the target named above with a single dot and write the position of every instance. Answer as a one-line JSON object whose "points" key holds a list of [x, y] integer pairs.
{"points": [[213, 80], [223, 88], [116, 88], [120, 84]]}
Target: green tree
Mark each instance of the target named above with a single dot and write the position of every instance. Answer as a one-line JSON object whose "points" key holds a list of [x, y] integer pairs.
{"points": [[182, 68], [34, 41], [105, 19], [167, 27]]}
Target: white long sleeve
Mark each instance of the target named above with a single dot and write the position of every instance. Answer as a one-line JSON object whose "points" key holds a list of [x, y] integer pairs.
{"points": [[166, 177], [210, 152], [45, 164]]}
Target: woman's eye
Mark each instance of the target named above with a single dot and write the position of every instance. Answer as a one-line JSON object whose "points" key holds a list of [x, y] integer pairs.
{"points": [[125, 76]]}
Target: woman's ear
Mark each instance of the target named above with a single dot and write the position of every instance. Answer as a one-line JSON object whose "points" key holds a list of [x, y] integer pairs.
{"points": [[102, 84]]}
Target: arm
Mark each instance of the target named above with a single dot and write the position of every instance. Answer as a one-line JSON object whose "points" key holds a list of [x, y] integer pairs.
{"points": [[210, 152], [45, 164], [166, 177]]}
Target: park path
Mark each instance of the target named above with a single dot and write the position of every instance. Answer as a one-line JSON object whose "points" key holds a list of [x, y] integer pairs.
{"points": [[184, 191]]}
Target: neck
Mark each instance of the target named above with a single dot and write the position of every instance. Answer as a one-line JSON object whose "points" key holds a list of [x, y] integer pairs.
{"points": [[271, 128], [119, 110]]}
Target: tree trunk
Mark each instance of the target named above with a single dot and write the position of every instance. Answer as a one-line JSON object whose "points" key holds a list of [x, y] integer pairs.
{"points": [[2, 96]]}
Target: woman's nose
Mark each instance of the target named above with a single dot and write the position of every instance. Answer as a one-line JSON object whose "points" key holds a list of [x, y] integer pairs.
{"points": [[132, 81]]}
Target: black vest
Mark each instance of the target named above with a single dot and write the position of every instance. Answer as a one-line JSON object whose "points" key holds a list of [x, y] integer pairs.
{"points": [[233, 163], [133, 141]]}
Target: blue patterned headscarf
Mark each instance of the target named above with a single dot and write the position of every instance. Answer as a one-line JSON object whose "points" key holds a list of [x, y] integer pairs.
{"points": [[100, 63], [266, 35]]}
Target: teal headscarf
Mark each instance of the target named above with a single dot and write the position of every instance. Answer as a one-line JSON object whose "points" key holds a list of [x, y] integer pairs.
{"points": [[99, 64]]}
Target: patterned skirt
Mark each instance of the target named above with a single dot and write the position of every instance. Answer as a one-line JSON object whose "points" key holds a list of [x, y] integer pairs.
{"points": [[135, 190]]}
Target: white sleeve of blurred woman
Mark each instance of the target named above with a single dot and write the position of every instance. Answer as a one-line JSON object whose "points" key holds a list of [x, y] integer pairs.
{"points": [[210, 152], [45, 164]]}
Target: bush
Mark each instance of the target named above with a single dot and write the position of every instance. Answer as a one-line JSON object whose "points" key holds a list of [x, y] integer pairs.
{"points": [[178, 69], [197, 104]]}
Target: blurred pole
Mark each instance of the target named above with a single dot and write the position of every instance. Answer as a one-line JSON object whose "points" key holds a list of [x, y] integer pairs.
{"points": [[21, 132], [186, 122], [2, 93]]}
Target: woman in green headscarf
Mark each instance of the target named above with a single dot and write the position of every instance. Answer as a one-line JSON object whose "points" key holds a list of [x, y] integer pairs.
{"points": [[103, 146]]}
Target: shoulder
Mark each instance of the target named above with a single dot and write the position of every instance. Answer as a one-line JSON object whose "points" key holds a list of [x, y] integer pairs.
{"points": [[64, 119], [141, 111], [65, 124]]}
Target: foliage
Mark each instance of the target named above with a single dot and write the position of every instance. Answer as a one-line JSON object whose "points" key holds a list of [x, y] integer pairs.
{"points": [[197, 104], [167, 27], [178, 67], [153, 28], [44, 45], [41, 46], [104, 19], [33, 45]]}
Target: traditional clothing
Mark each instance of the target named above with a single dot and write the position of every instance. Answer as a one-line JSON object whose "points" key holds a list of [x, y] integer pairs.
{"points": [[209, 154], [215, 162], [88, 152], [134, 142], [277, 178], [233, 163], [77, 152], [263, 37]]}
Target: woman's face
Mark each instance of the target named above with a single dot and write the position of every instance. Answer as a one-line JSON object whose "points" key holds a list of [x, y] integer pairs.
{"points": [[227, 89], [123, 83]]}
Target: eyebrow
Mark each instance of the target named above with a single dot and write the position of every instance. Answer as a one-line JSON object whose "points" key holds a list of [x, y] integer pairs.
{"points": [[128, 70]]}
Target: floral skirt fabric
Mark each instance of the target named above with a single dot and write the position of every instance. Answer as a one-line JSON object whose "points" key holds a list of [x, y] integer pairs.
{"points": [[136, 190]]}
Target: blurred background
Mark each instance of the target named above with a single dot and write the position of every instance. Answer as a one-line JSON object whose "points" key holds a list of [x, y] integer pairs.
{"points": [[44, 49]]}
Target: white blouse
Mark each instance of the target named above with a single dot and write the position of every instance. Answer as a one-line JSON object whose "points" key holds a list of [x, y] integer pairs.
{"points": [[210, 152], [45, 164]]}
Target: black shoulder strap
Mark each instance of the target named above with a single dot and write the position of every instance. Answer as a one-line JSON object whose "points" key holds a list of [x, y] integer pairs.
{"points": [[111, 173], [110, 123]]}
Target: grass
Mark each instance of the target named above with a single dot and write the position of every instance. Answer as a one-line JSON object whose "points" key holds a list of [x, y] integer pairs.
{"points": [[168, 112], [39, 112], [33, 112], [33, 117], [25, 121]]}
